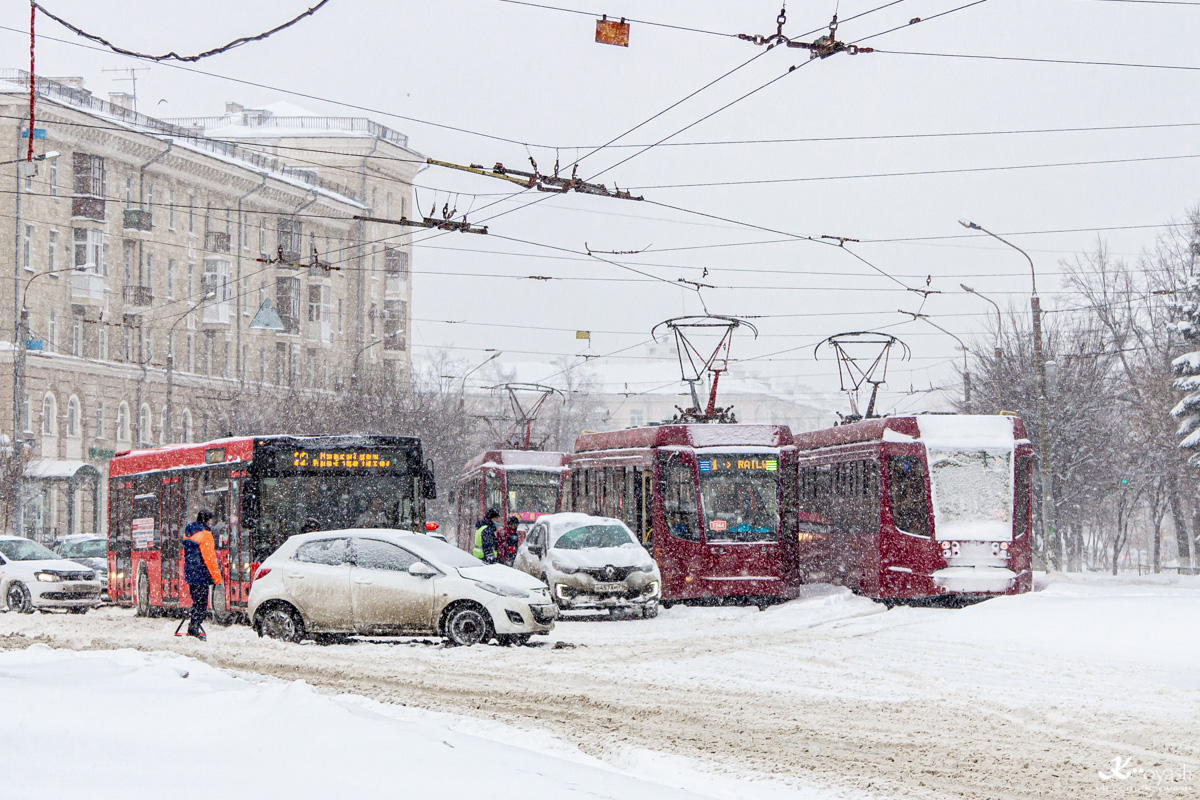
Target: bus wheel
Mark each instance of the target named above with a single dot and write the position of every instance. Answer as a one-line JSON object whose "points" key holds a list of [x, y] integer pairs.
{"points": [[468, 625], [18, 599], [282, 622], [143, 593]]}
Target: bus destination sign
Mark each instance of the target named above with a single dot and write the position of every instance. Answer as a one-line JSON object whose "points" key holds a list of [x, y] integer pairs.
{"points": [[340, 459]]}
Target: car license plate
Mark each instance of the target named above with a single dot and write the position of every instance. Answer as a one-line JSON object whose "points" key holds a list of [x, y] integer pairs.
{"points": [[81, 587], [610, 587]]}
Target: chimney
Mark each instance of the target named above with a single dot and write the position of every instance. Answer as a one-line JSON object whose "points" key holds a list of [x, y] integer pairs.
{"points": [[121, 100], [233, 108]]}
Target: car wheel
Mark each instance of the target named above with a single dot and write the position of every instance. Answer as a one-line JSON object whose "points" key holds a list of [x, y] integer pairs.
{"points": [[282, 622], [650, 611], [513, 639], [468, 625], [18, 599], [143, 593]]}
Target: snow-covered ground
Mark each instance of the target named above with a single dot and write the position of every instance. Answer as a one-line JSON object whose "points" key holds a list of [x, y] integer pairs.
{"points": [[1087, 687]]}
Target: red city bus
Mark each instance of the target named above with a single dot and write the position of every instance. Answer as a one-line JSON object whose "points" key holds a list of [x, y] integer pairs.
{"points": [[919, 507], [708, 500], [261, 490], [521, 483]]}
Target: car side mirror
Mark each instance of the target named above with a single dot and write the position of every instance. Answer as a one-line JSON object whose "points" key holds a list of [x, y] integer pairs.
{"points": [[422, 570]]}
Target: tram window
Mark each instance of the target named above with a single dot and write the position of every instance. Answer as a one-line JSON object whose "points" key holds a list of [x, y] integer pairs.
{"points": [[679, 501], [1021, 509], [493, 493], [910, 507]]}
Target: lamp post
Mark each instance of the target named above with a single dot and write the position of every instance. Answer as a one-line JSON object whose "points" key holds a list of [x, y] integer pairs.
{"points": [[1049, 534], [999, 353]]}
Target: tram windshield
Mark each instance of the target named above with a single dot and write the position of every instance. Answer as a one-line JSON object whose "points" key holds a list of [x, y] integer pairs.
{"points": [[739, 496], [972, 494], [532, 492]]}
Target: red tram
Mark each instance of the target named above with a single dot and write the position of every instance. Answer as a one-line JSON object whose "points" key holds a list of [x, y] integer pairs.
{"points": [[916, 507], [708, 501], [522, 483], [261, 490]]}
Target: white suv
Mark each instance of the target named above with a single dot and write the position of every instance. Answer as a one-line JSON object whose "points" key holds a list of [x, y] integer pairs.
{"points": [[389, 582], [32, 576]]}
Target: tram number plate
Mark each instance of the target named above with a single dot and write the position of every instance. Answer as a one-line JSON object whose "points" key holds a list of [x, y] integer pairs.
{"points": [[610, 587]]}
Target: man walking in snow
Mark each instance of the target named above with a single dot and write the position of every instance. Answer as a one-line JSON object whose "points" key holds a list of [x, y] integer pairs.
{"points": [[485, 536], [200, 569]]}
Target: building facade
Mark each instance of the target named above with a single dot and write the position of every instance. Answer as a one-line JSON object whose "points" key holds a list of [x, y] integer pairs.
{"points": [[146, 241]]}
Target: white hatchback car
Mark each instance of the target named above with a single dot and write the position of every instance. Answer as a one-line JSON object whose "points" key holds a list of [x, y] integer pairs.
{"points": [[389, 582], [591, 563], [32, 576]]}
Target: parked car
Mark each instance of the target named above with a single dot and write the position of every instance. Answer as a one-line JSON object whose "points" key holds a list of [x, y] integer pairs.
{"points": [[33, 576], [91, 551], [591, 562], [389, 582]]}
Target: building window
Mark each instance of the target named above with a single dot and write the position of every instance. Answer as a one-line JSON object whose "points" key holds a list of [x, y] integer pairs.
{"points": [[26, 415], [89, 249], [214, 286], [52, 331], [262, 236], [27, 248], [635, 418], [191, 213], [77, 336], [145, 422], [318, 312], [102, 343], [291, 239], [148, 277], [187, 425], [99, 419], [170, 279], [170, 209], [287, 303], [73, 417], [191, 352], [89, 175], [339, 329], [150, 197], [129, 192], [54, 178], [123, 422], [49, 416], [395, 324], [52, 252]]}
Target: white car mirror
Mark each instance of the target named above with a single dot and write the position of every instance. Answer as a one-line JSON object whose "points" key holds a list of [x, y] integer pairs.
{"points": [[422, 570]]}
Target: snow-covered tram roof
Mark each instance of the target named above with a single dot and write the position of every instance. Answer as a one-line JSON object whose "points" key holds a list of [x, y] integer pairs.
{"points": [[940, 431], [716, 435], [517, 459]]}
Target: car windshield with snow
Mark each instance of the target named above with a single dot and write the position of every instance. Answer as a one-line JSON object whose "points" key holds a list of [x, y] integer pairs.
{"points": [[383, 582], [591, 563]]}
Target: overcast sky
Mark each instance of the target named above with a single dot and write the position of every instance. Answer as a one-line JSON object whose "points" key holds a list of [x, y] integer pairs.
{"points": [[535, 76]]}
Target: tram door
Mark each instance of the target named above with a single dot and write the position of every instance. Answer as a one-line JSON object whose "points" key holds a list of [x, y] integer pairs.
{"points": [[645, 509], [170, 518]]}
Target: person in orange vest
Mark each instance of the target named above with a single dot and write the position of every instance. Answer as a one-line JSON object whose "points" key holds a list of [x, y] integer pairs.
{"points": [[200, 569]]}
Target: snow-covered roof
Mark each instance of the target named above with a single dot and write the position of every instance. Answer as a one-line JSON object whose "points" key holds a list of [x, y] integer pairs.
{"points": [[56, 470]]}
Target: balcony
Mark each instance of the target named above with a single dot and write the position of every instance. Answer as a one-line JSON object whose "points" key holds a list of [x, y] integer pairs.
{"points": [[291, 325], [138, 296], [88, 207], [215, 242], [216, 314], [87, 286], [318, 330], [393, 284], [138, 220]]}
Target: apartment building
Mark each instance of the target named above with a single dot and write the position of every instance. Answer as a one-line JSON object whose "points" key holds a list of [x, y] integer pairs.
{"points": [[228, 244]]}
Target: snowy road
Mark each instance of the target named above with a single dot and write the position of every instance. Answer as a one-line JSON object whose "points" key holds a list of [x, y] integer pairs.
{"points": [[1022, 697]]}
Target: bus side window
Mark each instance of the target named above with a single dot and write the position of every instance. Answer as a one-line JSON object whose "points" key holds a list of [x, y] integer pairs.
{"points": [[679, 501], [910, 509]]}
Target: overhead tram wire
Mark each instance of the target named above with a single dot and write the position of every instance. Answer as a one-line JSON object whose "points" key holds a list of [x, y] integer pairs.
{"points": [[1030, 60], [627, 19]]}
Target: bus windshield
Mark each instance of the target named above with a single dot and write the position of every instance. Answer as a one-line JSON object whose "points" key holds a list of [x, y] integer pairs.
{"points": [[532, 492], [972, 494], [739, 497], [294, 503]]}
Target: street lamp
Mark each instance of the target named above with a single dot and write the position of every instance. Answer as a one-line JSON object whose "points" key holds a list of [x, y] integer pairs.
{"points": [[1049, 534], [999, 316]]}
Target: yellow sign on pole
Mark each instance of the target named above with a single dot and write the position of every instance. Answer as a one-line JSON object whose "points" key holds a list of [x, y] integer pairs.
{"points": [[583, 335]]}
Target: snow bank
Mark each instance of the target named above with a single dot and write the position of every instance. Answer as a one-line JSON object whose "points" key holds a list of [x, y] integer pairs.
{"points": [[165, 725]]}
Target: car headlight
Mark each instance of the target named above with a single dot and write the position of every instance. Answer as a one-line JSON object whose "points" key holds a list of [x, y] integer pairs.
{"points": [[655, 588], [566, 569], [506, 591], [48, 577], [643, 567]]}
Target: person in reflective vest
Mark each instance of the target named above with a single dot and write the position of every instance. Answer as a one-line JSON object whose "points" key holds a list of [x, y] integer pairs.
{"points": [[200, 569], [485, 536]]}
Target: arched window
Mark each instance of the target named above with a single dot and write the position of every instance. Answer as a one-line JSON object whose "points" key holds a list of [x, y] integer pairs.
{"points": [[73, 417], [145, 426], [49, 415], [187, 426], [123, 422]]}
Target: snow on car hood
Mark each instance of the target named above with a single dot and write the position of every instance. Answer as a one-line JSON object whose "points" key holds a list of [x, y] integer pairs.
{"points": [[602, 556], [51, 565], [501, 575]]}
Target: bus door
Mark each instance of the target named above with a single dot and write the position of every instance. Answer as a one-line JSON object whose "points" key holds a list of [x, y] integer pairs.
{"points": [[239, 544], [170, 520], [120, 542], [677, 547]]}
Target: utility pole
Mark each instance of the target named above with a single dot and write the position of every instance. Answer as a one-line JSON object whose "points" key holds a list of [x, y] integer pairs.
{"points": [[1052, 540]]}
